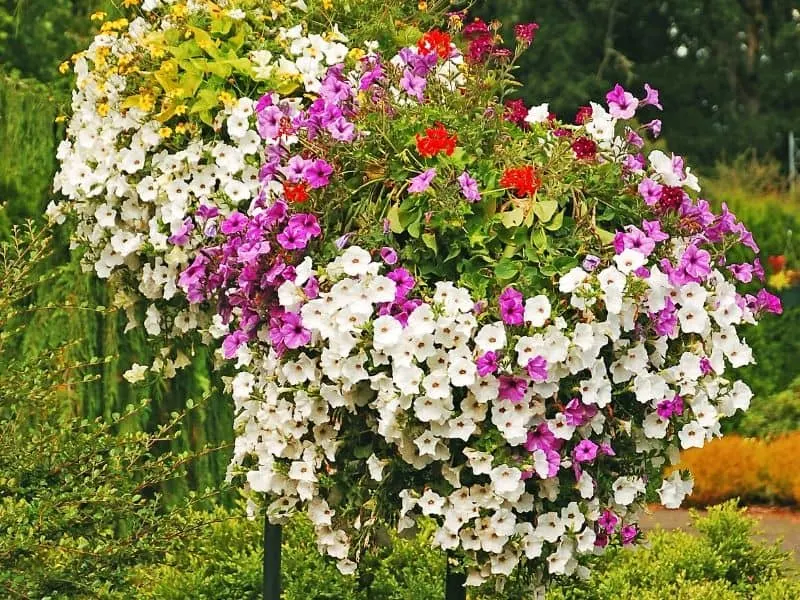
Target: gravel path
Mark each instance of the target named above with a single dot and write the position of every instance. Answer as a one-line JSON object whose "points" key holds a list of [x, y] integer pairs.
{"points": [[775, 523]]}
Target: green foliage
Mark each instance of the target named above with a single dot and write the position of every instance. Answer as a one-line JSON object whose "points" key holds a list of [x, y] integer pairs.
{"points": [[723, 562], [772, 415], [27, 113], [79, 501]]}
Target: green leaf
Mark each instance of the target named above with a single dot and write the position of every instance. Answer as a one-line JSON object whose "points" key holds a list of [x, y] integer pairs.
{"points": [[512, 218], [394, 219], [506, 269], [545, 209], [556, 223], [605, 236], [539, 238], [429, 239]]}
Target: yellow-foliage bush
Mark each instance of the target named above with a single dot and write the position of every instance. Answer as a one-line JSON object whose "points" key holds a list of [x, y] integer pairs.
{"points": [[751, 469]]}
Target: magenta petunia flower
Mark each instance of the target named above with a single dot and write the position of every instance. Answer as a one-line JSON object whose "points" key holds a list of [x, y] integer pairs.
{"points": [[621, 104], [537, 368], [512, 388], [585, 451], [628, 534], [232, 343], [388, 255], [608, 521], [512, 310], [235, 223], [292, 332], [651, 97], [487, 363], [421, 182]]}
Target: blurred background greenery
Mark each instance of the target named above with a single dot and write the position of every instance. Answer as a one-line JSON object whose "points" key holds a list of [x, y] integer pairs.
{"points": [[729, 76]]}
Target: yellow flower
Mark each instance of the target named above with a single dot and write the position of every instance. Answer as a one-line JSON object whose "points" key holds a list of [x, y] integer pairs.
{"points": [[61, 118], [181, 128], [179, 10], [64, 67], [422, 5], [165, 132], [147, 101], [98, 16], [226, 98], [102, 109], [327, 4], [129, 3], [779, 281], [357, 54], [181, 109]]}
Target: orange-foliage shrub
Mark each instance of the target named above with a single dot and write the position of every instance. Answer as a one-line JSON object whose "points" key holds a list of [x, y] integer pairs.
{"points": [[750, 469]]}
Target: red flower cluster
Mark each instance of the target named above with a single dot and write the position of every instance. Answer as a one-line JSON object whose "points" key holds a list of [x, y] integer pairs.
{"points": [[481, 43], [525, 33], [436, 139], [523, 180], [671, 198], [584, 148], [777, 263], [515, 112], [295, 192], [584, 114], [437, 41]]}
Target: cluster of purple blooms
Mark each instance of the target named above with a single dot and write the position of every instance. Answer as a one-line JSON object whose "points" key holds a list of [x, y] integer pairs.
{"points": [[253, 256]]}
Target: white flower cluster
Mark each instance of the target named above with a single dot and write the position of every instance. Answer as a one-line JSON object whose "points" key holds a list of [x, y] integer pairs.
{"points": [[508, 479], [134, 188]]}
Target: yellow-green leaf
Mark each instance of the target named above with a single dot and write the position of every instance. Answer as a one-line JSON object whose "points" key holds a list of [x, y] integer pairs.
{"points": [[512, 218], [545, 209]]}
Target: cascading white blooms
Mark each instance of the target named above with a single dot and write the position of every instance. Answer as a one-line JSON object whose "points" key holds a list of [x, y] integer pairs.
{"points": [[419, 391]]}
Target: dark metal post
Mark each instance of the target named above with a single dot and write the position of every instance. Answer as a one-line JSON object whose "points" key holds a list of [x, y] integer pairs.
{"points": [[454, 583], [272, 560]]}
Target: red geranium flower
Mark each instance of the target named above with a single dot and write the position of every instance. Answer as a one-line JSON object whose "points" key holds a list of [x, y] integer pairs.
{"points": [[777, 263], [437, 41], [295, 192], [436, 139], [523, 180]]}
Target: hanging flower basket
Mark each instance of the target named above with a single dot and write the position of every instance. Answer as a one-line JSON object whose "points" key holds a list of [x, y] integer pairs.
{"points": [[438, 303]]}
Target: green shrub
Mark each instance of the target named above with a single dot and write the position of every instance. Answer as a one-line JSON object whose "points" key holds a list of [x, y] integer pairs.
{"points": [[774, 415], [723, 562], [78, 506]]}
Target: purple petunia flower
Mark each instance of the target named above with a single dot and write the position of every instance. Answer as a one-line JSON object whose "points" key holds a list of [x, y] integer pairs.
{"points": [[422, 182], [696, 263], [318, 173], [469, 187], [650, 191], [413, 85]]}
